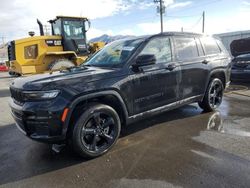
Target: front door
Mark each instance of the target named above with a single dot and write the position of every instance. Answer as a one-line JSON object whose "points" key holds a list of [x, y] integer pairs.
{"points": [[155, 85]]}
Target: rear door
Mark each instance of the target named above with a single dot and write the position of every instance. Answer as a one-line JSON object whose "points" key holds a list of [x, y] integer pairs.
{"points": [[217, 56], [194, 68]]}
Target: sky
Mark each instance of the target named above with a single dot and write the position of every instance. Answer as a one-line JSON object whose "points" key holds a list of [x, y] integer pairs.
{"points": [[125, 17]]}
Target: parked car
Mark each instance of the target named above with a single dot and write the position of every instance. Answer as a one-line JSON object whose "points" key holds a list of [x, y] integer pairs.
{"points": [[126, 81], [3, 67], [240, 49]]}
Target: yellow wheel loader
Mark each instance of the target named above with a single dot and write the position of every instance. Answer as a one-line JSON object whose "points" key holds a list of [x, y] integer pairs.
{"points": [[66, 47]]}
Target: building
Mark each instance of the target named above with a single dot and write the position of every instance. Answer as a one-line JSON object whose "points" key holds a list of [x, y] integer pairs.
{"points": [[3, 53], [227, 38]]}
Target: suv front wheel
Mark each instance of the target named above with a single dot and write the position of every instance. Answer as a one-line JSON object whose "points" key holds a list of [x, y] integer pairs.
{"points": [[96, 131], [213, 96]]}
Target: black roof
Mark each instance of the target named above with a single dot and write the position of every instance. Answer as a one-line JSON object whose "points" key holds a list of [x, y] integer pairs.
{"points": [[175, 33]]}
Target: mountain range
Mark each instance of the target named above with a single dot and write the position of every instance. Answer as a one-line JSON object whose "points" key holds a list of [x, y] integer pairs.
{"points": [[107, 38]]}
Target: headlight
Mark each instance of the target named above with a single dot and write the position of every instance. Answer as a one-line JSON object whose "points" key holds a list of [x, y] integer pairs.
{"points": [[39, 95]]}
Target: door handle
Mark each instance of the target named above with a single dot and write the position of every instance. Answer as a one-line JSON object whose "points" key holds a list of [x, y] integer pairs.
{"points": [[205, 61], [171, 67]]}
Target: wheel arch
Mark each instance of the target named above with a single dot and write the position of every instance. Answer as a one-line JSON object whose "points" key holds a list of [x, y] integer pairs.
{"points": [[218, 73], [52, 56], [110, 97]]}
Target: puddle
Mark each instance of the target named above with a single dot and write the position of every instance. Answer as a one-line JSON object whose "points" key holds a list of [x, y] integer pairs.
{"points": [[236, 88], [228, 126]]}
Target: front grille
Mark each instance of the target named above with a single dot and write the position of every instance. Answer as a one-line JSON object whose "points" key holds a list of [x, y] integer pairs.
{"points": [[17, 95], [11, 51]]}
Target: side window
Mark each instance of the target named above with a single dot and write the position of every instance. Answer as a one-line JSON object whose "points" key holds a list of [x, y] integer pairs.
{"points": [[160, 47], [186, 48], [210, 45]]}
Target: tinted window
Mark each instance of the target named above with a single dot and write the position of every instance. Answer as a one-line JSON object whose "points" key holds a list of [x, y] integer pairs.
{"points": [[74, 29], [160, 47], [210, 45], [186, 48], [57, 27]]}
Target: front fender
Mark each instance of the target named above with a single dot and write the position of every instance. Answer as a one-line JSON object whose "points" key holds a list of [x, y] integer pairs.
{"points": [[73, 104]]}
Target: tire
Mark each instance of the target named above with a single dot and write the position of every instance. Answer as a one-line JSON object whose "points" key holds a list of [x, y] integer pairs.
{"points": [[213, 96], [14, 74], [60, 63], [96, 131]]}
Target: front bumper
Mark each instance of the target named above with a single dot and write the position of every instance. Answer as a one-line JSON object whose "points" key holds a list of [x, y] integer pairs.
{"points": [[39, 121]]}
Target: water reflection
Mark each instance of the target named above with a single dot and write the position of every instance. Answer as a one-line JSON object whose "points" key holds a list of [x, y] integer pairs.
{"points": [[215, 122], [228, 126]]}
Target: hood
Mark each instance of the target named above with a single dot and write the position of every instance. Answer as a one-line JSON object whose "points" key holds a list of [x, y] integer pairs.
{"points": [[240, 47], [59, 78]]}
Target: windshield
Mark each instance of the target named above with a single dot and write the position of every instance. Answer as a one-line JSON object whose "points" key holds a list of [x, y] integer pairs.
{"points": [[115, 54], [244, 56], [74, 29]]}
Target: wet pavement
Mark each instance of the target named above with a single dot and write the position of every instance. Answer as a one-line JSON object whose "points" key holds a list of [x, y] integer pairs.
{"points": [[181, 148]]}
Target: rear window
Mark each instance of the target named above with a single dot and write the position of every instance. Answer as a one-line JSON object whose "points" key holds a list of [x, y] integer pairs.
{"points": [[186, 48], [210, 45]]}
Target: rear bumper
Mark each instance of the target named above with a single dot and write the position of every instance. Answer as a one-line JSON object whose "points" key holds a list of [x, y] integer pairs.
{"points": [[43, 126]]}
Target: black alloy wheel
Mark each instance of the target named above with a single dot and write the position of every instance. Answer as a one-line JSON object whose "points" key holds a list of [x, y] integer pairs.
{"points": [[213, 96], [96, 131]]}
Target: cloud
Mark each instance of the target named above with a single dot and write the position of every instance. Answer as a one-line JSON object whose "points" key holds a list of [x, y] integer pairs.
{"points": [[169, 25], [246, 3], [214, 24], [180, 5], [93, 32], [19, 17], [126, 32]]}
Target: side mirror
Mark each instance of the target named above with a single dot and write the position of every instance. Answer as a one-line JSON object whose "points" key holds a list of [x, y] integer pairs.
{"points": [[87, 25], [144, 60]]}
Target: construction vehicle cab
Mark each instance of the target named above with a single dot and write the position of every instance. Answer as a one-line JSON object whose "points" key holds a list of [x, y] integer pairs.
{"points": [[65, 47], [73, 31]]}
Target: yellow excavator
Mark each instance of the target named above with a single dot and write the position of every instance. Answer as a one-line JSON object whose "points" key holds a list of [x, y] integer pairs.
{"points": [[66, 47]]}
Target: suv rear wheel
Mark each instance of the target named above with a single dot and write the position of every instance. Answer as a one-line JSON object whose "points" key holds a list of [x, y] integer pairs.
{"points": [[96, 131], [213, 95]]}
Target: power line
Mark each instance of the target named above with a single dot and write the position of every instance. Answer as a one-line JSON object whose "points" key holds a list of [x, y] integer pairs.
{"points": [[202, 17], [150, 18], [184, 16]]}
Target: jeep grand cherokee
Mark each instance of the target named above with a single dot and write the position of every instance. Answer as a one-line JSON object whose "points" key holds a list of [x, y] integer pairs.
{"points": [[127, 80]]}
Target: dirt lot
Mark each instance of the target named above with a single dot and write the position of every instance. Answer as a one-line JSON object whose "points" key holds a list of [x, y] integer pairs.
{"points": [[180, 148]]}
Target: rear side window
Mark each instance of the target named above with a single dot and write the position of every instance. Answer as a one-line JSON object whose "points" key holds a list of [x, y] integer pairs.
{"points": [[210, 45], [186, 48], [160, 47]]}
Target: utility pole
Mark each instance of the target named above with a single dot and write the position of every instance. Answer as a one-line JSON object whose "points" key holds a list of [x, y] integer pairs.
{"points": [[203, 22], [3, 40], [160, 9], [47, 29]]}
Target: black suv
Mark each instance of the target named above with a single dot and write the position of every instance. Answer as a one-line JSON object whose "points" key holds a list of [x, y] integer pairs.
{"points": [[127, 80]]}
